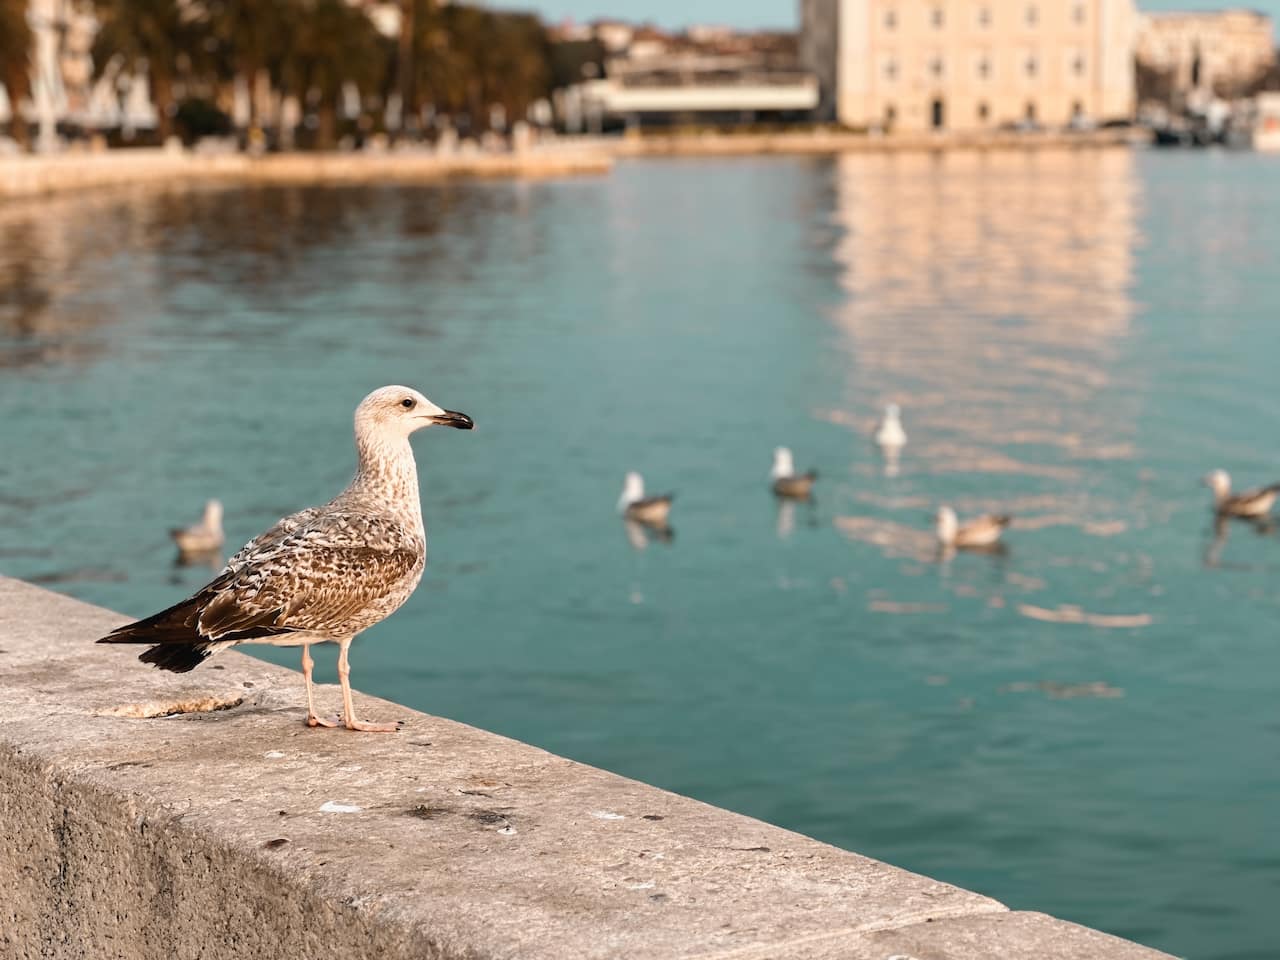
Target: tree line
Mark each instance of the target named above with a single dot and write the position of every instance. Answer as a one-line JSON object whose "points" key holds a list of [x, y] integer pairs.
{"points": [[467, 63]]}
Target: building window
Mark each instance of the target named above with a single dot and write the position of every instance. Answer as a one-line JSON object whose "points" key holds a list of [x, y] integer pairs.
{"points": [[1079, 13], [984, 17], [935, 66], [984, 112], [1031, 111], [890, 115], [984, 68], [890, 19], [1077, 111], [891, 70], [1077, 65], [937, 18], [1033, 15], [1032, 66]]}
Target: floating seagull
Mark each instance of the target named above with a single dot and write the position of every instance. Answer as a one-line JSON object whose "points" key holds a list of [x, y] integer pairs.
{"points": [[890, 434], [203, 537], [979, 532], [786, 482], [1251, 503], [634, 505], [322, 575]]}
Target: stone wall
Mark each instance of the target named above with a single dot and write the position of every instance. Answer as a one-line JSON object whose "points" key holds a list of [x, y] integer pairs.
{"points": [[148, 815]]}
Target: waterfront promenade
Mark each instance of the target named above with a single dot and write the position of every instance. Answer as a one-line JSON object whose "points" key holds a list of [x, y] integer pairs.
{"points": [[25, 176], [222, 827], [42, 175]]}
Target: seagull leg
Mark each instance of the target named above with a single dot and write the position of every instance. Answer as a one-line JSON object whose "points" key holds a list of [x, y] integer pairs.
{"points": [[348, 707], [307, 665]]}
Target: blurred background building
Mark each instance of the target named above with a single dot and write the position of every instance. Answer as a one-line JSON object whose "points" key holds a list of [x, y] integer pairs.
{"points": [[935, 66], [1224, 53]]}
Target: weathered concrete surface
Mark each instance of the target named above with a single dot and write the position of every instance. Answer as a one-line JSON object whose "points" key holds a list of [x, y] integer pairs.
{"points": [[39, 175], [206, 835]]}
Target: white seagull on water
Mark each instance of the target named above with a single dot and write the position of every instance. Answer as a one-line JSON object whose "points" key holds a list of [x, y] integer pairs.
{"points": [[203, 537], [786, 482], [1251, 503], [324, 574], [634, 505], [890, 434], [976, 534]]}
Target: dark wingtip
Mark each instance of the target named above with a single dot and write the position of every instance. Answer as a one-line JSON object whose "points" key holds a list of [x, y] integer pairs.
{"points": [[176, 657]]}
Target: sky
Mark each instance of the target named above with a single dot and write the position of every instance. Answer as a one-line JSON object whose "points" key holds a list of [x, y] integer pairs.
{"points": [[757, 14]]}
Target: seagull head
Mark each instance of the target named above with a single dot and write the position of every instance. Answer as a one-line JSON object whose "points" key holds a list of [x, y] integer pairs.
{"points": [[399, 411], [783, 464], [213, 514], [1219, 481], [632, 490], [947, 524], [891, 411]]}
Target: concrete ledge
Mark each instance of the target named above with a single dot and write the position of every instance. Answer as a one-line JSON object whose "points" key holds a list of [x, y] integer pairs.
{"points": [[25, 176], [240, 833]]}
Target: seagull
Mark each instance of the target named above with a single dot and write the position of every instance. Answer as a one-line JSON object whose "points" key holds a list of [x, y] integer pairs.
{"points": [[786, 482], [203, 537], [322, 575], [1250, 503], [634, 505], [890, 434], [978, 533]]}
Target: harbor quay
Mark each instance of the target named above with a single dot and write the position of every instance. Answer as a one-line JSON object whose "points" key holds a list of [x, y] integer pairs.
{"points": [[152, 815], [41, 175]]}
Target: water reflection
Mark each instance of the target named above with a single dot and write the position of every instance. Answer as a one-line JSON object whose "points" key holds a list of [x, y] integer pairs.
{"points": [[990, 292]]}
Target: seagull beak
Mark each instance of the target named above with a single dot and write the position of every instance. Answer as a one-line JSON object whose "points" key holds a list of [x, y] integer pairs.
{"points": [[452, 418]]}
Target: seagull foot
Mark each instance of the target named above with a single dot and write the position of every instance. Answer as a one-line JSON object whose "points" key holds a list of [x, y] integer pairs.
{"points": [[314, 721], [364, 726]]}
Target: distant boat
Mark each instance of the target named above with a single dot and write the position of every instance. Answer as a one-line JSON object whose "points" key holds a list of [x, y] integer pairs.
{"points": [[203, 537], [786, 482]]}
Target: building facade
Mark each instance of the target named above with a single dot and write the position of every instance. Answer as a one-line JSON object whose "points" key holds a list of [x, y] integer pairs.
{"points": [[917, 65], [1222, 52]]}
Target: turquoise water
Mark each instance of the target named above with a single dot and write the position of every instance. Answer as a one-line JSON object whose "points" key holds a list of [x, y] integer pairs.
{"points": [[1085, 725]]}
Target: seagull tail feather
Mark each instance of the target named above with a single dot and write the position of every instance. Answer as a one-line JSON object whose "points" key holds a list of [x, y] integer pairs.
{"points": [[177, 657]]}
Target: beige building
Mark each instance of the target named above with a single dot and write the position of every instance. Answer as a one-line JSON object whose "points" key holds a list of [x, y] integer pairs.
{"points": [[1221, 52], [913, 65]]}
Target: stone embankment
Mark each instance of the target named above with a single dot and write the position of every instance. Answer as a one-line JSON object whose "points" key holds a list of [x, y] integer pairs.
{"points": [[146, 815], [25, 176]]}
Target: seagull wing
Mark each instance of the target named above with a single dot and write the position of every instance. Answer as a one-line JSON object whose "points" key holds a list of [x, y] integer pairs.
{"points": [[320, 578]]}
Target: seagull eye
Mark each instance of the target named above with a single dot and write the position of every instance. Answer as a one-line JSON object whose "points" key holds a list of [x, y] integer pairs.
{"points": [[408, 403]]}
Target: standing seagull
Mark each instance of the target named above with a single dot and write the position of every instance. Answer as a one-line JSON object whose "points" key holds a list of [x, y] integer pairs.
{"points": [[322, 575], [1250, 503], [890, 434], [786, 482], [203, 537], [978, 533], [634, 505]]}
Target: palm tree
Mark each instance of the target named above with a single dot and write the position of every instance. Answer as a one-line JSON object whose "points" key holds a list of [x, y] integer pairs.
{"points": [[251, 37], [15, 52], [333, 44], [162, 34]]}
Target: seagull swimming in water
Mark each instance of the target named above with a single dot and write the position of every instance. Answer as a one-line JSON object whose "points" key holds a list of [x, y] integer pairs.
{"points": [[203, 537], [890, 434], [324, 574], [1250, 504], [980, 532], [634, 505], [786, 482]]}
